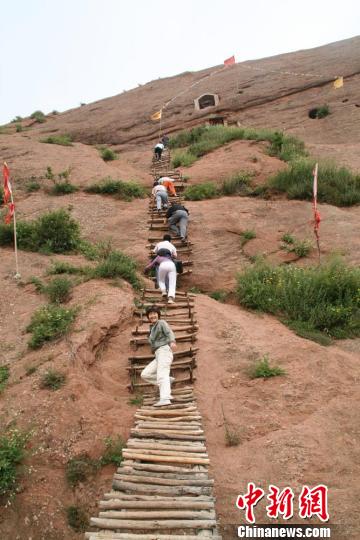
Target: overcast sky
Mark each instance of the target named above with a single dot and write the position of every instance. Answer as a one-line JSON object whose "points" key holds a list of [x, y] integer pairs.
{"points": [[56, 54]]}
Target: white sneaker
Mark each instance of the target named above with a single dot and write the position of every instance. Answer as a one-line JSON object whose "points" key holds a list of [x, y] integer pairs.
{"points": [[170, 300], [172, 379], [162, 402]]}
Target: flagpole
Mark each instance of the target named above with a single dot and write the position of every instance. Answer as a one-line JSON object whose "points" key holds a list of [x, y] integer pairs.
{"points": [[160, 124], [17, 275]]}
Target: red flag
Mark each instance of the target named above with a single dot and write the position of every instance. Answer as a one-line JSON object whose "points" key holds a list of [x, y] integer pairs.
{"points": [[7, 185], [8, 193], [230, 61]]}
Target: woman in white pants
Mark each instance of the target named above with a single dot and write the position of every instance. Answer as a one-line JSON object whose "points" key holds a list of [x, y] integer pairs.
{"points": [[162, 341], [166, 276]]}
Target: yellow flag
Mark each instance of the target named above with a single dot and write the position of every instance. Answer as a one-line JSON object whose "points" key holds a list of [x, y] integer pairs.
{"points": [[339, 82], [157, 115]]}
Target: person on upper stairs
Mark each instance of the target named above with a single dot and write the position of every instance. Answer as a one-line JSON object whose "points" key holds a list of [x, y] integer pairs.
{"points": [[169, 184], [178, 218], [160, 195], [162, 341], [158, 150], [165, 140]]}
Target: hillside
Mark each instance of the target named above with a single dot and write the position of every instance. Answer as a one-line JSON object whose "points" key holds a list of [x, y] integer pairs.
{"points": [[294, 430]]}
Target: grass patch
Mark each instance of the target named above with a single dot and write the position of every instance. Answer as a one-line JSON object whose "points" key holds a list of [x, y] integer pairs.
{"points": [[239, 184], [4, 375], [113, 451], [203, 139], [62, 267], [118, 188], [77, 518], [12, 452], [107, 154], [49, 323], [305, 331], [326, 299], [53, 380], [19, 128], [336, 185], [232, 436], [246, 236], [138, 399], [32, 185], [30, 370], [38, 116], [54, 232], [63, 140], [301, 248], [63, 188], [288, 238], [117, 264], [263, 370], [220, 296], [199, 192]]}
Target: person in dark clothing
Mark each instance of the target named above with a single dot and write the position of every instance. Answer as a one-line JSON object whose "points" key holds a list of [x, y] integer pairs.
{"points": [[178, 218], [159, 147], [165, 140]]}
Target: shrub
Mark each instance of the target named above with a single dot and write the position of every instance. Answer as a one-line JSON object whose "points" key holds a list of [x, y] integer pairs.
{"points": [[187, 137], [18, 128], [325, 298], [16, 119], [77, 518], [107, 154], [58, 290], [232, 436], [49, 173], [302, 249], [323, 111], [113, 451], [32, 185], [49, 323], [39, 116], [117, 265], [200, 192], [53, 380], [79, 468], [183, 159], [63, 140], [288, 238], [262, 369], [63, 188], [286, 147], [118, 188], [30, 370], [12, 452], [4, 375], [336, 185], [238, 184]]}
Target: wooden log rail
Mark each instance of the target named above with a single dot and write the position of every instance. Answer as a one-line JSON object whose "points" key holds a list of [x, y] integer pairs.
{"points": [[162, 490]]}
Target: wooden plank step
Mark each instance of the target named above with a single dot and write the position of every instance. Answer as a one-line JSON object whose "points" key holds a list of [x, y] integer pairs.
{"points": [[180, 354], [159, 481], [157, 514], [156, 536], [160, 490], [131, 471], [160, 452], [176, 503], [155, 525], [115, 495], [166, 459]]}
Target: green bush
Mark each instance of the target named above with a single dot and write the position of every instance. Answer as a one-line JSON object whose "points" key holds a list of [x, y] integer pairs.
{"points": [[4, 375], [54, 232], [326, 299], [323, 111], [77, 518], [336, 185], [12, 452], [58, 290], [107, 154], [113, 451], [200, 192], [63, 140], [18, 128], [118, 188], [288, 238], [117, 265], [39, 116], [79, 468], [238, 184], [32, 185], [53, 380], [63, 188], [49, 323], [263, 370], [16, 119], [203, 140]]}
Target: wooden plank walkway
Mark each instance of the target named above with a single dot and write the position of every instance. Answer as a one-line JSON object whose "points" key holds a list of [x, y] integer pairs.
{"points": [[162, 490]]}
